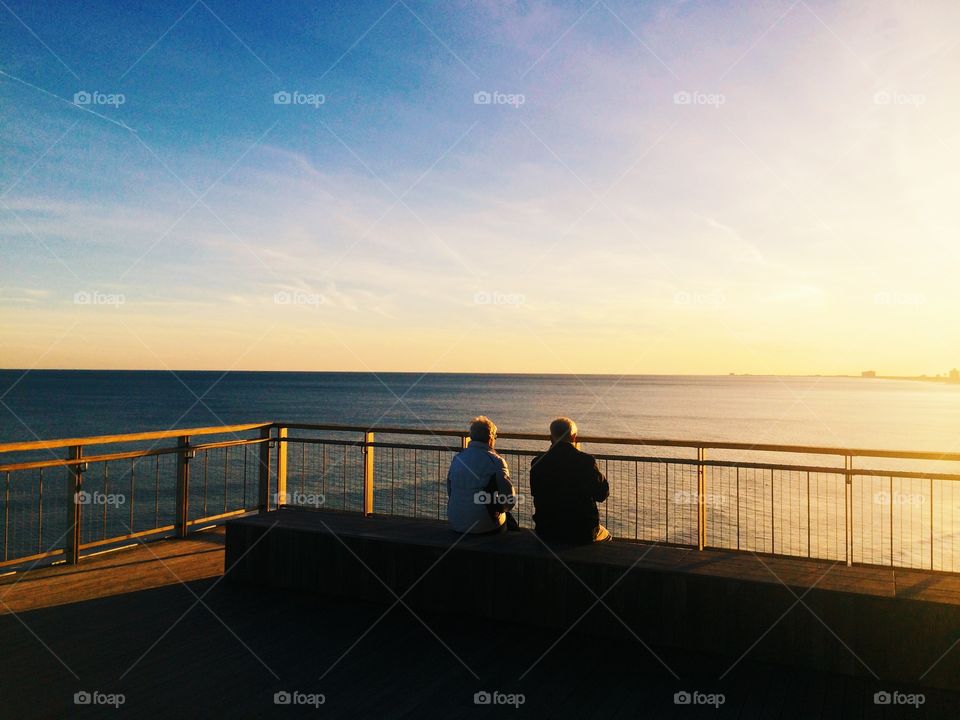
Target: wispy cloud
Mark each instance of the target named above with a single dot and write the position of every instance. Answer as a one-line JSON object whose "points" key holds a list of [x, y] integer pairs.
{"points": [[787, 160]]}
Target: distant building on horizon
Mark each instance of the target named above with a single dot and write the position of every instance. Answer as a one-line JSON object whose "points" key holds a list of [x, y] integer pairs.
{"points": [[955, 376], [869, 373]]}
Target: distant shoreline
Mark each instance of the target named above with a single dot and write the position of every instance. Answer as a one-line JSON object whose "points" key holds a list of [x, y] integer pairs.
{"points": [[922, 378]]}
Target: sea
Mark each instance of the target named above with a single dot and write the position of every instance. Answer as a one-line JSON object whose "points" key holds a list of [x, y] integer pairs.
{"points": [[823, 411], [904, 521]]}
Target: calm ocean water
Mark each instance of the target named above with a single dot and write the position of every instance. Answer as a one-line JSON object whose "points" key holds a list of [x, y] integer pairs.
{"points": [[821, 411], [795, 513]]}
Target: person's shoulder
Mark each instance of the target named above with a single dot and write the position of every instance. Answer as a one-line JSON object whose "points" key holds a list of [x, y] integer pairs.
{"points": [[585, 457], [495, 456], [540, 460]]}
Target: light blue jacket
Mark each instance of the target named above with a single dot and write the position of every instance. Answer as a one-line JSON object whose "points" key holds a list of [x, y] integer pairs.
{"points": [[473, 472]]}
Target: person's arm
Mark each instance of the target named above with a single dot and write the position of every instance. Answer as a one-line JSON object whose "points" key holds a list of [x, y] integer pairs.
{"points": [[601, 488], [449, 474], [505, 486]]}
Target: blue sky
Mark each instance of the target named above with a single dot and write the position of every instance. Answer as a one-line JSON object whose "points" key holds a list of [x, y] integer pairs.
{"points": [[655, 187]]}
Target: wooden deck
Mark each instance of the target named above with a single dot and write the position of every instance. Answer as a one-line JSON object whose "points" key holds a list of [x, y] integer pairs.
{"points": [[130, 622]]}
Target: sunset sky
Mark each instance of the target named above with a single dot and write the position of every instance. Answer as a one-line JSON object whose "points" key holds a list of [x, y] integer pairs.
{"points": [[672, 187]]}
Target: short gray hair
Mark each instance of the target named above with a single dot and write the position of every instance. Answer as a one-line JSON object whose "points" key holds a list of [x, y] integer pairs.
{"points": [[563, 428], [482, 428]]}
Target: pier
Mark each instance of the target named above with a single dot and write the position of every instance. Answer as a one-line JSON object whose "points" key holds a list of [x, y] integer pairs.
{"points": [[262, 559]]}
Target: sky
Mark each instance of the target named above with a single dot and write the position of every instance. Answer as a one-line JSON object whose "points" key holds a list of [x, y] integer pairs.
{"points": [[572, 187]]}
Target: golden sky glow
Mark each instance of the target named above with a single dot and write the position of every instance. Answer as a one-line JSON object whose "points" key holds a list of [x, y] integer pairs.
{"points": [[682, 189]]}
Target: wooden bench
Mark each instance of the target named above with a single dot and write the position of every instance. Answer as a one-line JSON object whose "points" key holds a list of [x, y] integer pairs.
{"points": [[854, 620]]}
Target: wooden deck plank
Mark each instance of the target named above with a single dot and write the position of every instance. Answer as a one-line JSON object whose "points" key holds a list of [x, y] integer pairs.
{"points": [[139, 566], [811, 703]]}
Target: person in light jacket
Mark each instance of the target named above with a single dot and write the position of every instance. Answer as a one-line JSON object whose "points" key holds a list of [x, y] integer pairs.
{"points": [[479, 491]]}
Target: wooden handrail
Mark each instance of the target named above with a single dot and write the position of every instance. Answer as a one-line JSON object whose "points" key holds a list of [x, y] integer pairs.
{"points": [[128, 455], [657, 442], [596, 439], [126, 437]]}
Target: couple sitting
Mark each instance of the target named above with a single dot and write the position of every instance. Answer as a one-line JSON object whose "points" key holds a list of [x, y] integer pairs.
{"points": [[566, 485]]}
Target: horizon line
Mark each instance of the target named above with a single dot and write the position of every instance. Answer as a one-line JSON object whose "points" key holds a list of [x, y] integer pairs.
{"points": [[474, 372]]}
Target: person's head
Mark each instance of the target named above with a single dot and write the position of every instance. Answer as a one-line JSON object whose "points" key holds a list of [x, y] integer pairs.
{"points": [[482, 429], [563, 429]]}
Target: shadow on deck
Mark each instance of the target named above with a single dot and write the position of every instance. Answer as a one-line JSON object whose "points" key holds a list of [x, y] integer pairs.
{"points": [[156, 624]]}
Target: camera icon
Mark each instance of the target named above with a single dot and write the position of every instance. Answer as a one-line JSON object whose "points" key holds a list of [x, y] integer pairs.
{"points": [[82, 298], [282, 697], [882, 698], [882, 97], [682, 698], [82, 498], [482, 698], [482, 498], [82, 698], [881, 498], [282, 298], [682, 98], [282, 98], [482, 97], [82, 98]]}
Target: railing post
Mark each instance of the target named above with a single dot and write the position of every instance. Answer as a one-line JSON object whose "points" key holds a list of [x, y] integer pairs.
{"points": [[184, 453], [701, 499], [931, 520], [464, 441], [281, 466], [848, 507], [71, 548], [368, 473], [263, 485]]}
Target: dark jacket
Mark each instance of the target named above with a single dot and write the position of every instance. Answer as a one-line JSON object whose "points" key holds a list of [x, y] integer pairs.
{"points": [[566, 485]]}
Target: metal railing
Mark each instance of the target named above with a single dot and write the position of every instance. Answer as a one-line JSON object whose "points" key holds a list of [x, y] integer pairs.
{"points": [[798, 501], [132, 492]]}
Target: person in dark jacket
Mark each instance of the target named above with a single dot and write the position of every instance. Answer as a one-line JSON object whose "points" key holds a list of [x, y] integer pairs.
{"points": [[566, 485]]}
